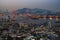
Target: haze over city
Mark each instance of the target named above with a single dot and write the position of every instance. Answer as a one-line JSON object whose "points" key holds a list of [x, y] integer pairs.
{"points": [[41, 4], [29, 19]]}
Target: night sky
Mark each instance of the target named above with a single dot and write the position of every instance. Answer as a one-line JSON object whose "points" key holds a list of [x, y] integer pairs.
{"points": [[41, 4]]}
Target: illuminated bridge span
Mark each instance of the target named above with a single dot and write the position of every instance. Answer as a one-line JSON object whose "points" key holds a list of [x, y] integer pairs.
{"points": [[35, 16], [44, 17], [41, 16]]}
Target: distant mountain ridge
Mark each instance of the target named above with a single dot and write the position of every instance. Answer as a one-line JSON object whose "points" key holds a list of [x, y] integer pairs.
{"points": [[34, 11]]}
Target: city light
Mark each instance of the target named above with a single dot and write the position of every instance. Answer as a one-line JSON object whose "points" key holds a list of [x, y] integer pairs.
{"points": [[57, 18], [44, 17], [50, 17]]}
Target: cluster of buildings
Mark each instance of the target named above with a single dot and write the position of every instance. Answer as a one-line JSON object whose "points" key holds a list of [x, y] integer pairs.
{"points": [[12, 30]]}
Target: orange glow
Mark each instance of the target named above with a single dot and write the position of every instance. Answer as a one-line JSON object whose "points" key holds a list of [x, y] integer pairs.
{"points": [[57, 18], [35, 16], [44, 17], [50, 17]]}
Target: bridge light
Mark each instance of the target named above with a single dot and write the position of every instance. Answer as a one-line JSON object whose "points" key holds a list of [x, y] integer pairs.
{"points": [[44, 17], [56, 18], [50, 17]]}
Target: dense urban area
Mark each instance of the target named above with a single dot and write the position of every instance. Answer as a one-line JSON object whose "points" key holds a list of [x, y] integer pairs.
{"points": [[29, 24]]}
